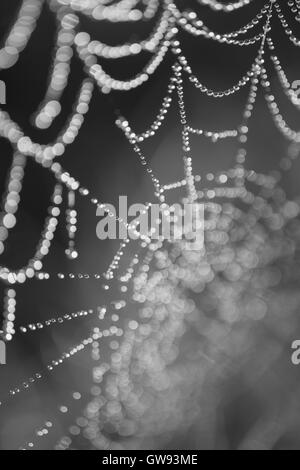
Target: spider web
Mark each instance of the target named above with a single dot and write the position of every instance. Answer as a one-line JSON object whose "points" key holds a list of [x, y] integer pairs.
{"points": [[251, 228]]}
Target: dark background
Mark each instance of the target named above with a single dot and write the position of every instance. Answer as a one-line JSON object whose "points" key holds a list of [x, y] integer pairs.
{"points": [[103, 161]]}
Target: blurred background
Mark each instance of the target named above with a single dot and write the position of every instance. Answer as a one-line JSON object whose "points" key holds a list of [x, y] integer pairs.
{"points": [[251, 402]]}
